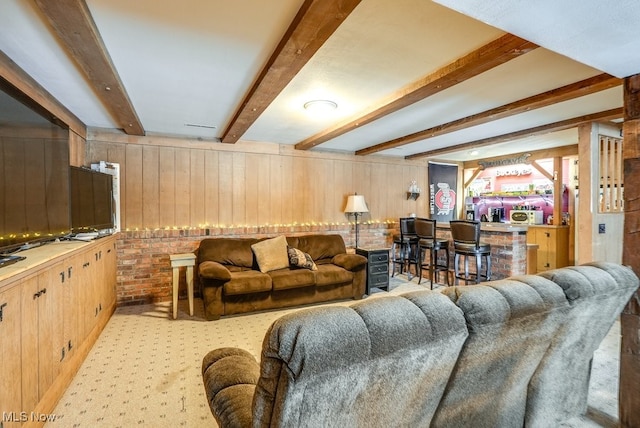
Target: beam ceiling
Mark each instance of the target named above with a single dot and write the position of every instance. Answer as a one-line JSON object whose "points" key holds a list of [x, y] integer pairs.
{"points": [[491, 55], [74, 25], [315, 22], [607, 115], [565, 93]]}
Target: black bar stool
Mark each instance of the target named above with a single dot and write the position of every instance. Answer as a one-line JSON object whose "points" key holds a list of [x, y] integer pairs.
{"points": [[428, 243], [404, 250], [466, 243]]}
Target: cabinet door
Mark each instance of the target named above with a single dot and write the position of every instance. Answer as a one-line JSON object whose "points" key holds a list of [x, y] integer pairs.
{"points": [[546, 252], [87, 292], [10, 342], [50, 325], [110, 269], [29, 323], [540, 237], [42, 299], [72, 327]]}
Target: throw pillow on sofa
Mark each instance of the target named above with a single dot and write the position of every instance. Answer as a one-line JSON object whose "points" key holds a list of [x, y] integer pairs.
{"points": [[298, 258], [271, 254]]}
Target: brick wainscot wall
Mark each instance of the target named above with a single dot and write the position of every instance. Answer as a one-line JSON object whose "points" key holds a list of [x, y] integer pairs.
{"points": [[144, 273]]}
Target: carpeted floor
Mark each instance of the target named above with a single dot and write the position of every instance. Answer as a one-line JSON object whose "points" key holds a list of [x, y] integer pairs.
{"points": [[145, 368]]}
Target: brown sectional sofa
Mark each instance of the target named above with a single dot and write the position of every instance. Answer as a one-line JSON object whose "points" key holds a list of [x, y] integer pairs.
{"points": [[231, 282]]}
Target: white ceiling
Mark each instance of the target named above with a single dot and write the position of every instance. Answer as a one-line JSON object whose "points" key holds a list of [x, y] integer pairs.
{"points": [[187, 65]]}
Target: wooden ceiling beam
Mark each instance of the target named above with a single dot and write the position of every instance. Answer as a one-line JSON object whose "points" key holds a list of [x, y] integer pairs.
{"points": [[17, 83], [74, 25], [491, 55], [314, 23], [568, 92], [607, 115]]}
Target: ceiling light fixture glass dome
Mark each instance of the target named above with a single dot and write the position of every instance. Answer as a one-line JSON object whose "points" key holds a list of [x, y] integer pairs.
{"points": [[320, 106]]}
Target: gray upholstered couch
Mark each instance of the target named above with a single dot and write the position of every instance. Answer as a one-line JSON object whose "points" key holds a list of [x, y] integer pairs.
{"points": [[508, 353]]}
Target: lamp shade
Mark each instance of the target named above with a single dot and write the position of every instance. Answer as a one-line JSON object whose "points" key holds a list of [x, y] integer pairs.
{"points": [[356, 204]]}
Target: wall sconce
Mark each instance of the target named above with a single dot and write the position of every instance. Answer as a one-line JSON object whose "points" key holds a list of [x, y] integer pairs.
{"points": [[414, 191], [356, 205]]}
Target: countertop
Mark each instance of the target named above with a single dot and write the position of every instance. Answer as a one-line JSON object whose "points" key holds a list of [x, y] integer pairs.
{"points": [[504, 227]]}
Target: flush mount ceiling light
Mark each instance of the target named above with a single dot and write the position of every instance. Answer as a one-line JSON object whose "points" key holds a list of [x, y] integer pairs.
{"points": [[320, 106]]}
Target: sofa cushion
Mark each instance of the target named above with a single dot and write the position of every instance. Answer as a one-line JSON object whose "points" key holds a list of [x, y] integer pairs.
{"points": [[321, 246], [227, 251], [248, 281], [300, 259], [292, 278], [271, 254], [328, 274]]}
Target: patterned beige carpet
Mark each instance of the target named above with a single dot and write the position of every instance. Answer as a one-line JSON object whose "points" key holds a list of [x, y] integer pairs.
{"points": [[145, 368]]}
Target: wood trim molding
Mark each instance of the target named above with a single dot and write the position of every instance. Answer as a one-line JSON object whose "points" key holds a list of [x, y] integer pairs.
{"points": [[533, 156], [543, 171], [606, 115], [315, 22], [74, 25], [491, 55], [16, 82], [584, 87]]}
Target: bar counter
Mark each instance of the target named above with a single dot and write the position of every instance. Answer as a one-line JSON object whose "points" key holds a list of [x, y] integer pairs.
{"points": [[508, 247]]}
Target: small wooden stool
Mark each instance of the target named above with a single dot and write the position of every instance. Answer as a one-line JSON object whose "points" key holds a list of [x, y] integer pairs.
{"points": [[178, 260]]}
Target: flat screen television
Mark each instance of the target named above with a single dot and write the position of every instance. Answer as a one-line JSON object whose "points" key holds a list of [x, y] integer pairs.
{"points": [[91, 200], [34, 188]]}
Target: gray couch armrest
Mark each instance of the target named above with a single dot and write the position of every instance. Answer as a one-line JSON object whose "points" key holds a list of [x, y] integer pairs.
{"points": [[230, 376], [351, 262], [213, 270]]}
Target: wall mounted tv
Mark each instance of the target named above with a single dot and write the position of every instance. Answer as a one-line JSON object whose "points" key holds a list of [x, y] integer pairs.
{"points": [[91, 200]]}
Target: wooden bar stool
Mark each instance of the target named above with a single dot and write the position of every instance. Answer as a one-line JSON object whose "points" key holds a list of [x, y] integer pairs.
{"points": [[428, 243], [466, 243]]}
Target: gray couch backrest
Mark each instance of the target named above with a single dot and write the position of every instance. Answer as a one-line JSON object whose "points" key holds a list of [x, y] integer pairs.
{"points": [[342, 366], [511, 325], [508, 353], [597, 293]]}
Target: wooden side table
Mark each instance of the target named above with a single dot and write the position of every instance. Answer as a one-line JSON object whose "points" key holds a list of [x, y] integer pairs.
{"points": [[177, 261]]}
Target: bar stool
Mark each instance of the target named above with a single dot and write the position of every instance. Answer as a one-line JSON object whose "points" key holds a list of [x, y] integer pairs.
{"points": [[404, 247], [428, 243], [466, 243]]}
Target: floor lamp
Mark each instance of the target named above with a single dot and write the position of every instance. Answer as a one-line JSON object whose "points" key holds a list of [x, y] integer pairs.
{"points": [[356, 206]]}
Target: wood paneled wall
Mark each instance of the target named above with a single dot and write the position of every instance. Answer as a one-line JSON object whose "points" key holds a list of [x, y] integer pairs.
{"points": [[167, 183]]}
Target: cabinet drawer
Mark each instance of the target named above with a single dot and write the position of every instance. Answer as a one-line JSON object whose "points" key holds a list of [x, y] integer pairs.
{"points": [[379, 268], [378, 279], [379, 258]]}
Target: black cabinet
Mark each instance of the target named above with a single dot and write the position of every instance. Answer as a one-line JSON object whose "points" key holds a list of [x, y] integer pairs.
{"points": [[377, 268]]}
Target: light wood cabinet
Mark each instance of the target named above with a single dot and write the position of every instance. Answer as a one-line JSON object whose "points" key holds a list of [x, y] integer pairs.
{"points": [[54, 305], [42, 333], [553, 246], [10, 343]]}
